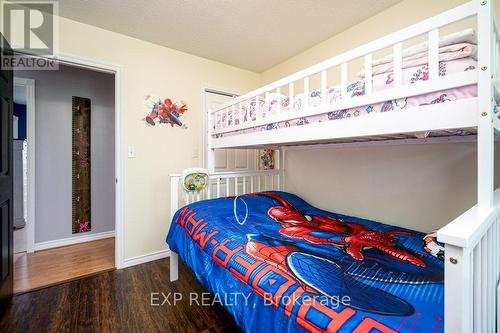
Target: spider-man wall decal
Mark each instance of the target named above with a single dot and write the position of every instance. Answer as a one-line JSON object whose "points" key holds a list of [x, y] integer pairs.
{"points": [[289, 251]]}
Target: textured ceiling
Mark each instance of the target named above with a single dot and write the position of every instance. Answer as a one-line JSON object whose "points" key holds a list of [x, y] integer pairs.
{"points": [[250, 34]]}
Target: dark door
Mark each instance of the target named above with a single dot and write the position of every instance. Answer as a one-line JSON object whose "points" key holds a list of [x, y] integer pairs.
{"points": [[6, 187]]}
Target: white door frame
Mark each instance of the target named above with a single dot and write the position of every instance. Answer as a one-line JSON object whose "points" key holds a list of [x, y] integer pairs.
{"points": [[29, 85], [204, 90], [80, 62]]}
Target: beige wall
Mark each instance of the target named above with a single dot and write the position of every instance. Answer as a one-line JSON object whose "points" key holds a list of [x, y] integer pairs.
{"points": [[421, 187], [418, 186], [397, 17], [160, 150]]}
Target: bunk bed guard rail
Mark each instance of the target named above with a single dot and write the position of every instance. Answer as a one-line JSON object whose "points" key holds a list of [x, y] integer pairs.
{"points": [[232, 117]]}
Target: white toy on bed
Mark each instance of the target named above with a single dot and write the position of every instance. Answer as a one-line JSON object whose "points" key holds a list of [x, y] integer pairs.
{"points": [[194, 179]]}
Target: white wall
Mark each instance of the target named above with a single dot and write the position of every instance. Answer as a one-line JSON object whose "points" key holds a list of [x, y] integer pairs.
{"points": [[53, 149]]}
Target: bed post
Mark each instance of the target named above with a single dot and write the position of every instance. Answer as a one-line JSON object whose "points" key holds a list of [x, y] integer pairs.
{"points": [[458, 290], [281, 166], [174, 205], [460, 276], [485, 136]]}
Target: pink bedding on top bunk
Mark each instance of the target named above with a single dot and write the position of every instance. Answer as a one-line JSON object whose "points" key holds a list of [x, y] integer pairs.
{"points": [[454, 58]]}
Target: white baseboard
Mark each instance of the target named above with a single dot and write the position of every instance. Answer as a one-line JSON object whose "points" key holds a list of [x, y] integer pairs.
{"points": [[73, 240], [146, 258], [20, 240]]}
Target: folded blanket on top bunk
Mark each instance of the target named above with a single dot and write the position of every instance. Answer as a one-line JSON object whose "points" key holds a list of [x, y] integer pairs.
{"points": [[446, 53], [467, 36], [453, 46], [457, 53], [282, 265]]}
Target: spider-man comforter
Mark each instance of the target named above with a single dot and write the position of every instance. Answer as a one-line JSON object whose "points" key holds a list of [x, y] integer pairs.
{"points": [[281, 265]]}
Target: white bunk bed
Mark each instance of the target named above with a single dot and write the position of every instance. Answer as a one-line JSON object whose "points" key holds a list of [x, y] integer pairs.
{"points": [[472, 241]]}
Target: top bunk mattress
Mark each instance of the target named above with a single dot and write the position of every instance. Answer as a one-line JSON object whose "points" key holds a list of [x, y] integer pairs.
{"points": [[298, 268], [457, 54]]}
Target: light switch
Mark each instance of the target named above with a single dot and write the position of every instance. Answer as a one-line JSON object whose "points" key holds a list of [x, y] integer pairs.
{"points": [[195, 153], [131, 152]]}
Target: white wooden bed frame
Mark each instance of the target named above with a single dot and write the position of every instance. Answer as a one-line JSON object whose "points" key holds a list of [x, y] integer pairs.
{"points": [[472, 240]]}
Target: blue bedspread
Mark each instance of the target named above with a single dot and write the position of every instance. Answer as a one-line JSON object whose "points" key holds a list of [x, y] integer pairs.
{"points": [[282, 265]]}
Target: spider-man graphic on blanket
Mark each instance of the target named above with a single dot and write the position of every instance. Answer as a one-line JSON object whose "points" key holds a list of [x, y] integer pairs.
{"points": [[288, 252], [355, 237]]}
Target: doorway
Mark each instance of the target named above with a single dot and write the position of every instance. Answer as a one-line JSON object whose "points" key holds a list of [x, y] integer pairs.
{"points": [[226, 159], [23, 167], [50, 238]]}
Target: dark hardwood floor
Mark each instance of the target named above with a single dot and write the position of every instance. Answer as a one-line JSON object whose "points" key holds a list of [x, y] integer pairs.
{"points": [[117, 301]]}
